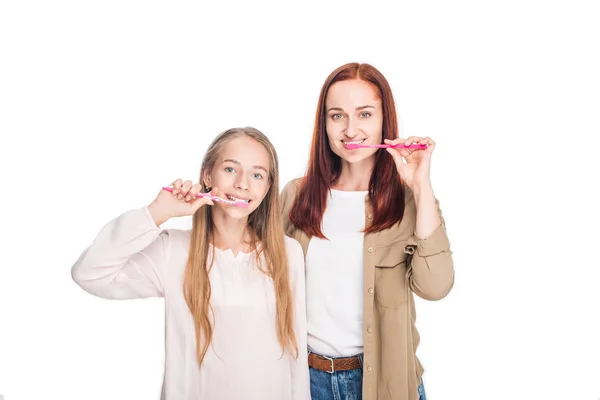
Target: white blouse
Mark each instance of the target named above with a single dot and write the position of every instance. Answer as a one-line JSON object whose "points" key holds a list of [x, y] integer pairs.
{"points": [[133, 258]]}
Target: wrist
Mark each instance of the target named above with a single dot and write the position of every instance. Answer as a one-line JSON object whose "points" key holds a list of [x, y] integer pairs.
{"points": [[159, 216], [422, 190]]}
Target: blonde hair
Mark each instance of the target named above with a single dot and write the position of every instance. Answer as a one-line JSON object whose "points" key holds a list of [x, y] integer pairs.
{"points": [[266, 227]]}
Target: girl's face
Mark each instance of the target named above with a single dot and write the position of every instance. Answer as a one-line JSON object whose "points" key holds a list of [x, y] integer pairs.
{"points": [[240, 173], [354, 115]]}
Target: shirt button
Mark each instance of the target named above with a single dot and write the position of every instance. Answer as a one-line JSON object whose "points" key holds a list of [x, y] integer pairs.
{"points": [[371, 290], [370, 249], [369, 330], [369, 369]]}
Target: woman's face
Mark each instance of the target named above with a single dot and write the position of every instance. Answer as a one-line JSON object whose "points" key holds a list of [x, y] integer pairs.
{"points": [[354, 115]]}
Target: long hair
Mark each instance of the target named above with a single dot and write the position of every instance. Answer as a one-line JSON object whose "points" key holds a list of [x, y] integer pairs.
{"points": [[267, 229], [386, 191]]}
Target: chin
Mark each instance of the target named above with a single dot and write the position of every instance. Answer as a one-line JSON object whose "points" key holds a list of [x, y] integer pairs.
{"points": [[355, 156], [237, 212]]}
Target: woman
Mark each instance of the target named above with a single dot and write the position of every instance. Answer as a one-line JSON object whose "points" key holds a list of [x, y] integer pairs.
{"points": [[372, 234]]}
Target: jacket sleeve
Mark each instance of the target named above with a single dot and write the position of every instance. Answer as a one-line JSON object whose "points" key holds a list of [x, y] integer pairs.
{"points": [[431, 268], [286, 200]]}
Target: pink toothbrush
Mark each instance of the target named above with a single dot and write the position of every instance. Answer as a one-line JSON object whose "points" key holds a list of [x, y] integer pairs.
{"points": [[237, 203], [353, 146]]}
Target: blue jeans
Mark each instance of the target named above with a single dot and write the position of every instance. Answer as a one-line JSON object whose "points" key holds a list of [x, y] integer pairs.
{"points": [[341, 385]]}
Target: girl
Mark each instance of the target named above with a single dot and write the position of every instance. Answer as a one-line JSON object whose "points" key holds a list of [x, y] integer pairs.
{"points": [[233, 286], [372, 234]]}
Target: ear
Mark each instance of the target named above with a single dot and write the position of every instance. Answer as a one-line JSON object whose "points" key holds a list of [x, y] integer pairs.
{"points": [[206, 179]]}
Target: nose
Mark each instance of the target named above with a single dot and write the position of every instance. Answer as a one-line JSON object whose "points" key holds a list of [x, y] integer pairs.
{"points": [[351, 129], [241, 182]]}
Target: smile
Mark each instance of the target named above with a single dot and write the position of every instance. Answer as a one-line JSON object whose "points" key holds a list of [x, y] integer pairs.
{"points": [[353, 142]]}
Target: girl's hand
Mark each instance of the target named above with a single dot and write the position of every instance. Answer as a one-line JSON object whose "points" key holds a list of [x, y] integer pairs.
{"points": [[181, 202]]}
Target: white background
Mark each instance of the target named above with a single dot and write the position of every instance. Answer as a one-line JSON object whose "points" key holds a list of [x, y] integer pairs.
{"points": [[101, 103]]}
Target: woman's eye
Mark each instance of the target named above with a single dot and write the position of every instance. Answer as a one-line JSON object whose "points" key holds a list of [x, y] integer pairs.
{"points": [[365, 114], [336, 116], [257, 175], [229, 169]]}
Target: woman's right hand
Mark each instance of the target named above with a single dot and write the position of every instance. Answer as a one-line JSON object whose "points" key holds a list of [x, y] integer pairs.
{"points": [[180, 202]]}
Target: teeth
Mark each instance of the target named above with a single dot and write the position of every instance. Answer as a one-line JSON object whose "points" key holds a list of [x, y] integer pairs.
{"points": [[354, 142], [236, 199]]}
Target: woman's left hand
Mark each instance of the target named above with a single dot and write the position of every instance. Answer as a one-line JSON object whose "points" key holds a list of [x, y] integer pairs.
{"points": [[415, 171]]}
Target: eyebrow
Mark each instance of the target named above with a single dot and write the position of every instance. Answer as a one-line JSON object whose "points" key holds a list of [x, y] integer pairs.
{"points": [[357, 108], [238, 163]]}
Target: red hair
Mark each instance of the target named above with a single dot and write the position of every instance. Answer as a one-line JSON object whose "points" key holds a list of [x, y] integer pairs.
{"points": [[386, 191]]}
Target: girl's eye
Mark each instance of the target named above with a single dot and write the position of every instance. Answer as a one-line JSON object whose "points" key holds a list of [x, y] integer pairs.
{"points": [[257, 176], [365, 114], [229, 169], [336, 116]]}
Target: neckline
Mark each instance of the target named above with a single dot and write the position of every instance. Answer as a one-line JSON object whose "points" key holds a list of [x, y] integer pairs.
{"points": [[349, 192], [229, 251]]}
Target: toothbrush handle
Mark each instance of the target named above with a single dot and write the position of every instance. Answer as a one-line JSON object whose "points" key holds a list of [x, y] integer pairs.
{"points": [[214, 198], [170, 189], [206, 195], [412, 146], [401, 145]]}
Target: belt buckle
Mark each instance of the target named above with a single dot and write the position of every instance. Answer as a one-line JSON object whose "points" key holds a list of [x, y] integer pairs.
{"points": [[330, 359]]}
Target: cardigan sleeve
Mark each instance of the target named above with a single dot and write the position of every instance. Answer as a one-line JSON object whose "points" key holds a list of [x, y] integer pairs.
{"points": [[125, 259]]}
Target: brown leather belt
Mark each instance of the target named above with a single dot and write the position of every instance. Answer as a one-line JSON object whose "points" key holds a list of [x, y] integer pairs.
{"points": [[324, 363]]}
